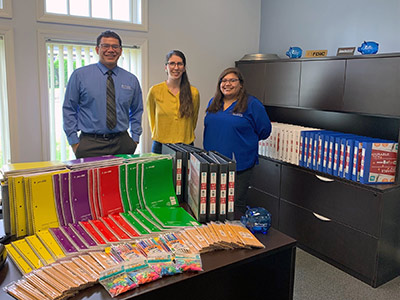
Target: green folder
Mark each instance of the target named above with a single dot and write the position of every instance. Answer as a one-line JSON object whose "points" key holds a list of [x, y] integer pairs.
{"points": [[157, 185], [123, 187], [147, 215], [132, 221], [171, 217], [131, 184], [144, 222], [139, 184]]}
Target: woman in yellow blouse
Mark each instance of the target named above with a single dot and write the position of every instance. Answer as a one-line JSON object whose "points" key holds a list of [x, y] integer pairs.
{"points": [[173, 105]]}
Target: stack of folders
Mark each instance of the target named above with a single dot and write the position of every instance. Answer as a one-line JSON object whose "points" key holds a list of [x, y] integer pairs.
{"points": [[205, 180], [81, 209], [358, 158], [211, 186], [181, 157]]}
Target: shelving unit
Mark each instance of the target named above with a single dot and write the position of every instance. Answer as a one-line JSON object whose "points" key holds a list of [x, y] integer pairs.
{"points": [[353, 226]]}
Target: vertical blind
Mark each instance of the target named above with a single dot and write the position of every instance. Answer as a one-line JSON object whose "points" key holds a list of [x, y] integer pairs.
{"points": [[5, 154], [63, 59]]}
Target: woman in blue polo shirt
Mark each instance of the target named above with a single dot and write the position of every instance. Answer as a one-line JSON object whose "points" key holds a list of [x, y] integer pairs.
{"points": [[233, 125]]}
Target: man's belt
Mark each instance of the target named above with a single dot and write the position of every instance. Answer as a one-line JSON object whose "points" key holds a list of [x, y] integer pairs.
{"points": [[105, 136]]}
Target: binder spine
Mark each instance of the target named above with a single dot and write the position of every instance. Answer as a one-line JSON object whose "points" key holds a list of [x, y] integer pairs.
{"points": [[212, 216], [222, 198], [231, 196], [178, 186], [203, 195]]}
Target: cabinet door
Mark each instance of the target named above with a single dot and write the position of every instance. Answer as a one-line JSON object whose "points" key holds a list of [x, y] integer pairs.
{"points": [[350, 248], [372, 86], [266, 176], [282, 82], [254, 74], [322, 84], [338, 200]]}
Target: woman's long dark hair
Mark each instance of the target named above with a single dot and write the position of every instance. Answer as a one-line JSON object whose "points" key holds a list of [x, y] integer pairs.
{"points": [[218, 102], [185, 94]]}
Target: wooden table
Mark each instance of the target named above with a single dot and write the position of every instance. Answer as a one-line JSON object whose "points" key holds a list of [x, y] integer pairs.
{"points": [[228, 274]]}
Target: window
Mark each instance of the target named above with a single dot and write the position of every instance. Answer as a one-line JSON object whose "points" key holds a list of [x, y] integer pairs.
{"points": [[119, 14], [5, 154], [5, 9], [62, 59]]}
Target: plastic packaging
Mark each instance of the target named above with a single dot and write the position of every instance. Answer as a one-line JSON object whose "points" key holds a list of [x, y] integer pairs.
{"points": [[116, 281], [257, 220]]}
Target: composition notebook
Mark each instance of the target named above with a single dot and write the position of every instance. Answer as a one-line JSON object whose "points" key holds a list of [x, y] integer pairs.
{"points": [[41, 201], [79, 193], [157, 185], [109, 195]]}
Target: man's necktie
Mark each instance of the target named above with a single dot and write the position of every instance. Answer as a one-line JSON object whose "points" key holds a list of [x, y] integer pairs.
{"points": [[111, 111]]}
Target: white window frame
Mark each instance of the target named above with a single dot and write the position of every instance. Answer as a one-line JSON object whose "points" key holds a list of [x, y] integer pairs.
{"points": [[6, 11], [43, 36], [9, 124], [42, 16]]}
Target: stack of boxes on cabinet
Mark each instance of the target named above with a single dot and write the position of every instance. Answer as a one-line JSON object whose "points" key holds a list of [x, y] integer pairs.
{"points": [[353, 157]]}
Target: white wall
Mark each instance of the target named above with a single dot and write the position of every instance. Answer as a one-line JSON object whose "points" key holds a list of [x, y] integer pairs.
{"points": [[329, 25], [212, 34]]}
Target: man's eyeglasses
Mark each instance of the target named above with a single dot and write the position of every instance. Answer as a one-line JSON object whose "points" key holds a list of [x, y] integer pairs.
{"points": [[107, 46], [172, 64], [232, 80]]}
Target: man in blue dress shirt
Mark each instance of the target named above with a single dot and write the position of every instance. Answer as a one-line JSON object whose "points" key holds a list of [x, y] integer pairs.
{"points": [[85, 104]]}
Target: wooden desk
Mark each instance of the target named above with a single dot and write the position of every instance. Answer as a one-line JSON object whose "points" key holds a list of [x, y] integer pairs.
{"points": [[261, 273]]}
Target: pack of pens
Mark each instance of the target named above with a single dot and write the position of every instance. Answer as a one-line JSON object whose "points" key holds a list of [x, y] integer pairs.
{"points": [[56, 281], [186, 257], [158, 256]]}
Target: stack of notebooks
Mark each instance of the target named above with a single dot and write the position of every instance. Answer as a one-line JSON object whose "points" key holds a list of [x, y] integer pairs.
{"points": [[117, 200], [205, 180], [358, 158]]}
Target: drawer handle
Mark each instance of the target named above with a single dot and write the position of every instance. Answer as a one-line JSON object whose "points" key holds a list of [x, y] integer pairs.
{"points": [[324, 178], [322, 218]]}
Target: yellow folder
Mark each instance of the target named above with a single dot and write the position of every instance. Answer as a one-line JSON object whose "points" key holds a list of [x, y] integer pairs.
{"points": [[26, 252], [28, 206], [41, 251], [19, 206], [44, 213], [50, 243], [18, 260], [11, 202]]}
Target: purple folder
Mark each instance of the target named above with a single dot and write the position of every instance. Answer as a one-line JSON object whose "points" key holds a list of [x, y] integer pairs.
{"points": [[57, 198], [63, 241], [77, 242], [79, 192], [83, 234], [65, 206]]}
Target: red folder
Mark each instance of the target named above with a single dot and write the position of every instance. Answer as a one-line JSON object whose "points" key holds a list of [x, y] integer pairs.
{"points": [[124, 225], [92, 232], [110, 202], [114, 228], [104, 231]]}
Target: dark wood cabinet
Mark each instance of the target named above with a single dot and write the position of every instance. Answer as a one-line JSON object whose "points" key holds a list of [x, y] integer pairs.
{"points": [[252, 72], [282, 83], [322, 84], [347, 248], [358, 84], [350, 225], [372, 86], [353, 226]]}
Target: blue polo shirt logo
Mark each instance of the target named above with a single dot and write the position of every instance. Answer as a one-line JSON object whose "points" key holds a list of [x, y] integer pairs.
{"points": [[237, 114]]}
